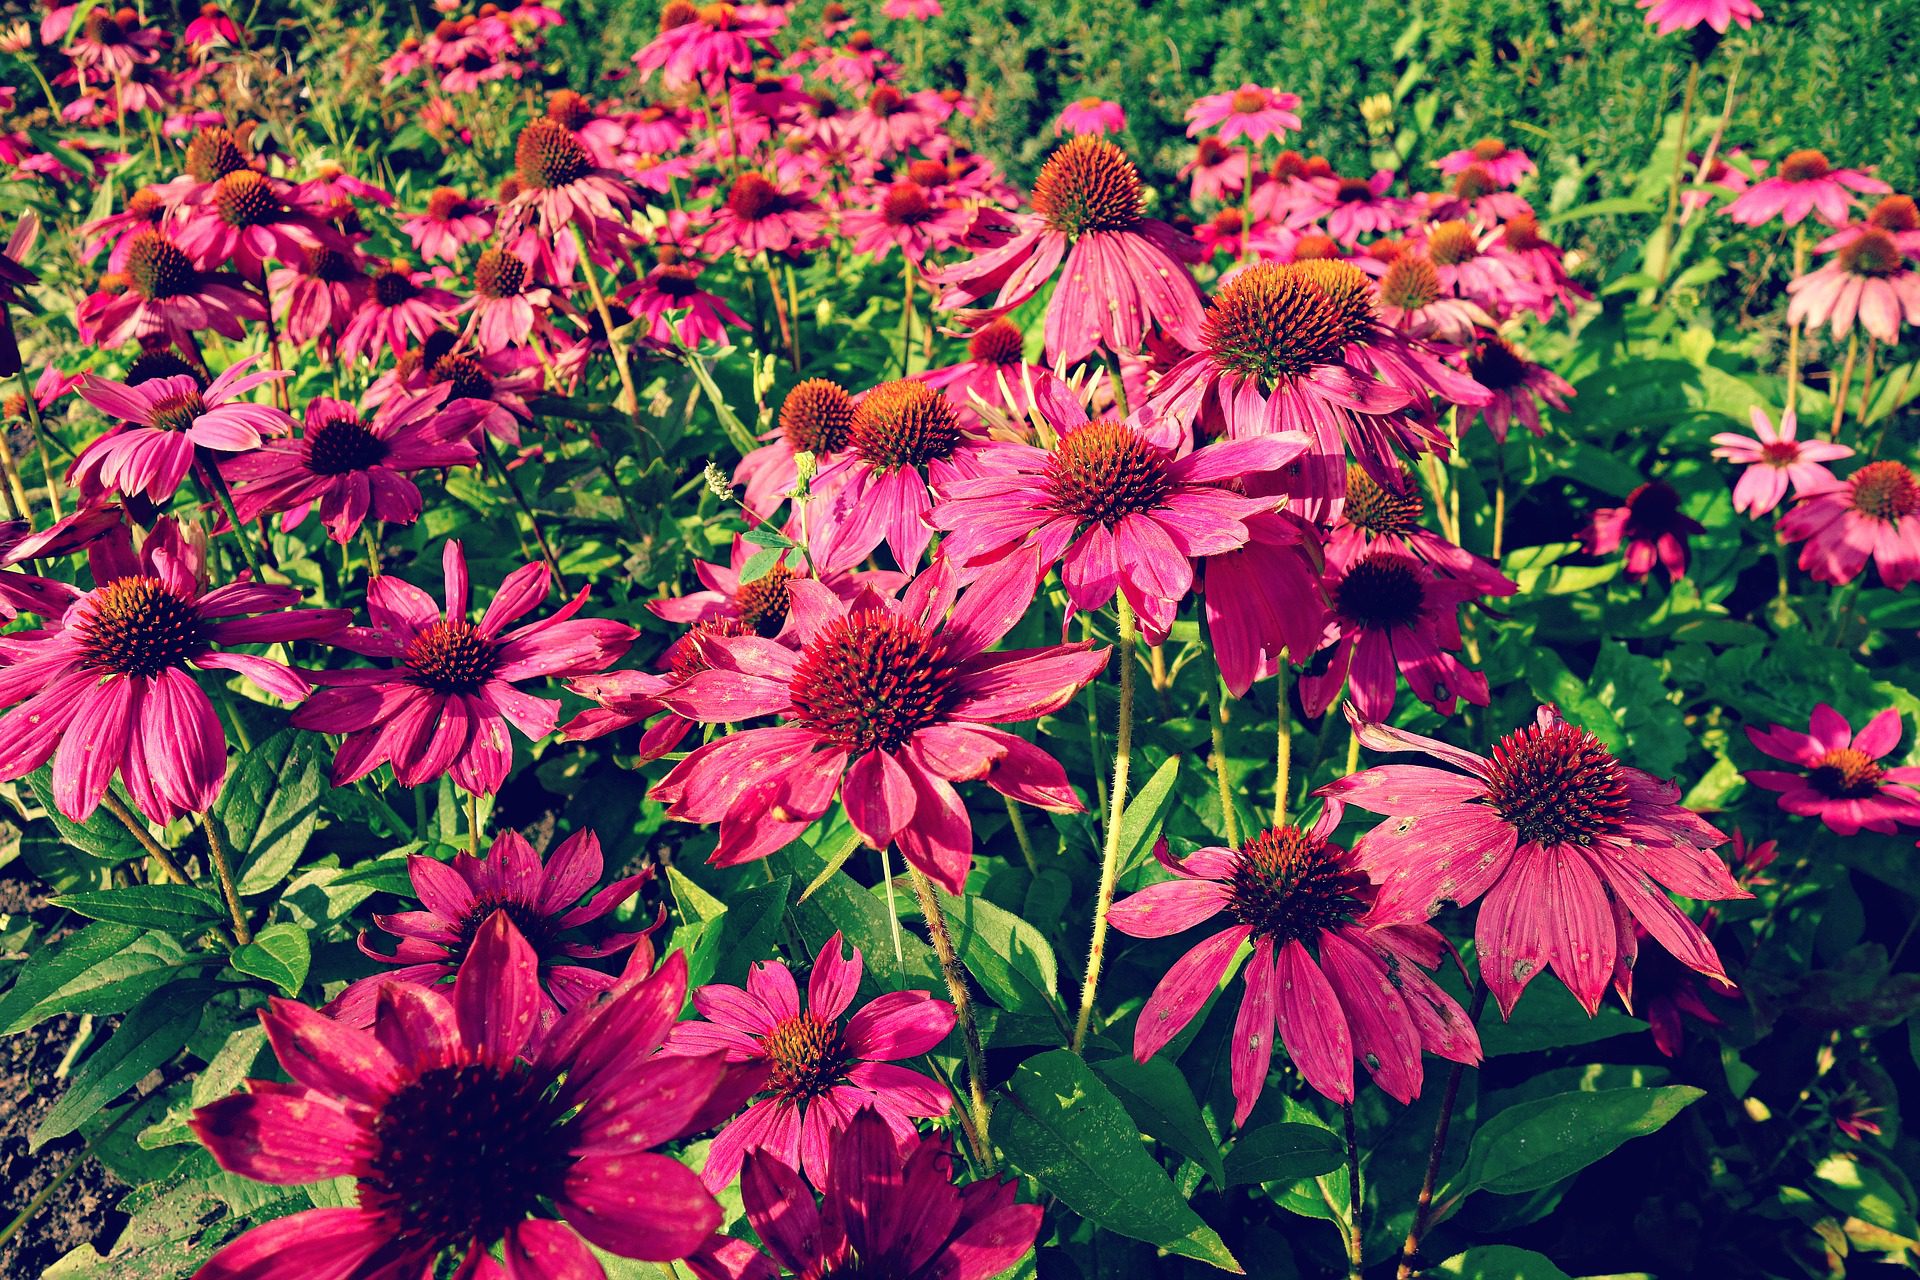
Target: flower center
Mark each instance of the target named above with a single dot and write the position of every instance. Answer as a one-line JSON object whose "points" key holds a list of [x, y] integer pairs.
{"points": [[677, 280], [451, 656], [1270, 323], [1315, 245], [465, 1153], [1378, 509], [1871, 253], [763, 602], [1290, 165], [445, 203], [1228, 223], [1383, 590], [330, 265], [1088, 185], [816, 416], [159, 268], [499, 274], [214, 153], [245, 200], [1846, 774], [1410, 283], [885, 101], [1104, 471], [1804, 166], [1452, 243], [752, 198], [1489, 149], [1474, 182], [1893, 213], [1290, 887], [809, 1057], [102, 29], [569, 109], [928, 173], [151, 365], [1780, 453], [393, 286], [1652, 510], [906, 205], [1347, 288], [860, 41], [868, 681], [996, 343], [1496, 365], [678, 13], [469, 378], [176, 411], [536, 927], [1556, 785], [338, 446], [1523, 233], [687, 658], [146, 205], [1247, 101], [1212, 152], [1885, 491], [903, 423], [137, 627], [1353, 191], [547, 155]]}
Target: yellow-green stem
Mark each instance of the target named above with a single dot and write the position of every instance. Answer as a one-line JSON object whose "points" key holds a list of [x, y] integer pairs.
{"points": [[956, 975], [1019, 825], [1846, 381], [1793, 326], [1116, 809], [1229, 819], [1283, 747], [223, 872], [142, 837], [1356, 1207]]}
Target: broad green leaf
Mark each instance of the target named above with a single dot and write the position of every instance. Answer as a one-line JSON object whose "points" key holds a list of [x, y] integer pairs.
{"points": [[746, 932], [1146, 812], [101, 836], [1062, 1127], [1538, 1143], [387, 875], [1861, 1192], [1550, 1018], [1284, 1152], [280, 953], [270, 806], [1501, 1262], [176, 908], [1010, 958], [149, 1036], [860, 916], [694, 902], [64, 976], [1161, 1102]]}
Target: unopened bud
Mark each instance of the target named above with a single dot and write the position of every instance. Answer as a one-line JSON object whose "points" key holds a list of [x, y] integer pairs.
{"points": [[717, 482], [805, 468]]}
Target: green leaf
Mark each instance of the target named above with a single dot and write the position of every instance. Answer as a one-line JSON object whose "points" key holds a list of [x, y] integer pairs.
{"points": [[860, 917], [1860, 1192], [1146, 812], [748, 930], [270, 806], [387, 875], [1550, 1018], [1501, 1262], [151, 1034], [58, 975], [1161, 1102], [1062, 1127], [759, 565], [101, 836], [1284, 1153], [176, 908], [280, 953], [1009, 957], [1538, 1143], [694, 902]]}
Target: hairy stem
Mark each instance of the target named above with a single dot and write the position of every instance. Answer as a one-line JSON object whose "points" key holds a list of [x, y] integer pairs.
{"points": [[1117, 805], [138, 830], [223, 872], [956, 976], [1282, 747], [1229, 818], [1423, 1205], [1356, 1207]]}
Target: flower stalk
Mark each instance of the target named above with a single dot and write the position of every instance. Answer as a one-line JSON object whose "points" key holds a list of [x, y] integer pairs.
{"points": [[1117, 806], [979, 1109]]}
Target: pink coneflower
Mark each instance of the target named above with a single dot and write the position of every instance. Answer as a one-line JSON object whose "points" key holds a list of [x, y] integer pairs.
{"points": [[164, 421], [1334, 987], [112, 43], [1485, 274], [1393, 616], [450, 222], [1351, 207], [212, 29], [1505, 165], [896, 697], [890, 122], [561, 187], [1251, 112], [1668, 16], [817, 418], [506, 303], [106, 691], [1116, 510], [1413, 301], [912, 10], [1544, 262], [1518, 385], [1839, 777], [317, 297], [906, 216], [1663, 991], [696, 44], [674, 287], [399, 309], [902, 437], [541, 896], [1090, 115], [1651, 525], [818, 1072], [349, 467], [247, 222], [771, 97], [1478, 198], [761, 605], [164, 293], [462, 1129], [1377, 518], [623, 699], [1873, 513], [446, 705], [1566, 842], [1867, 278], [1896, 216], [1775, 459], [1216, 172], [894, 1212], [493, 385], [996, 372], [1806, 182], [1123, 273], [757, 215]]}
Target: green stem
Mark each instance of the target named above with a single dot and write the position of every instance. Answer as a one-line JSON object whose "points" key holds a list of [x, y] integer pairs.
{"points": [[1793, 328], [1114, 381], [1423, 1205], [218, 485], [906, 314], [956, 976], [137, 829], [1019, 825], [1229, 819], [1846, 383], [1356, 1207], [520, 500], [1664, 240], [1282, 747], [1117, 805], [223, 872], [46, 1193]]}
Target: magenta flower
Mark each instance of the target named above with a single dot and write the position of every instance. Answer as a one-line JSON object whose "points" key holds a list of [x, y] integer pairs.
{"points": [[1518, 386], [1806, 182], [166, 294], [1668, 16], [1867, 278], [1651, 525], [906, 217], [114, 44], [896, 697], [626, 698], [1265, 599], [1118, 511], [995, 373], [1413, 301], [1665, 993], [446, 706], [542, 898], [451, 221], [818, 1071], [317, 298], [1334, 985], [674, 287], [164, 421], [817, 418], [1872, 514], [1251, 112], [756, 215], [105, 690], [463, 1130], [1378, 519], [398, 310], [246, 222], [506, 303], [1351, 207], [1839, 777], [1505, 165], [351, 468], [561, 187], [1123, 273], [1392, 616], [1090, 115], [1567, 844], [1775, 459]]}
